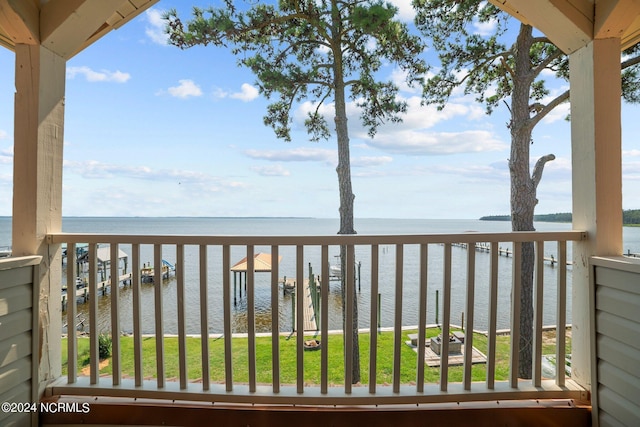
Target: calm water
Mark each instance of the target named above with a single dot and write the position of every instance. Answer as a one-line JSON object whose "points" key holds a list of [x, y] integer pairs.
{"points": [[303, 226]]}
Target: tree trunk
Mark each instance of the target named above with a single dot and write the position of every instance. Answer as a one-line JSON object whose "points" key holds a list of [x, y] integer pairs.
{"points": [[523, 190], [346, 220], [346, 192]]}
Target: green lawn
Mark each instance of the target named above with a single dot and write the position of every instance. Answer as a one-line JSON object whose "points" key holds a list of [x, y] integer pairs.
{"points": [[288, 359]]}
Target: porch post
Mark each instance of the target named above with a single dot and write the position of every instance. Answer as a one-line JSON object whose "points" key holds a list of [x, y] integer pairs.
{"points": [[597, 179], [37, 187]]}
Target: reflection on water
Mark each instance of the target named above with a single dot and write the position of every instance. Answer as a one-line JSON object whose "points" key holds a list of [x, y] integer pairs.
{"points": [[287, 267], [387, 289]]}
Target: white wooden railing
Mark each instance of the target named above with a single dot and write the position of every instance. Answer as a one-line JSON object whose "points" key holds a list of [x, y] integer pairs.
{"points": [[323, 393]]}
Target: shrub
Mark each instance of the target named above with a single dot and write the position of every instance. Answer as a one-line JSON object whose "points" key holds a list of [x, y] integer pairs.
{"points": [[104, 346]]}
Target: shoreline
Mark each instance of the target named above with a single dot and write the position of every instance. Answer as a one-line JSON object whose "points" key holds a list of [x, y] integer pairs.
{"points": [[499, 332]]}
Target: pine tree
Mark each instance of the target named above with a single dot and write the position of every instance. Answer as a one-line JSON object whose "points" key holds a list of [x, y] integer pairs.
{"points": [[514, 74], [322, 51]]}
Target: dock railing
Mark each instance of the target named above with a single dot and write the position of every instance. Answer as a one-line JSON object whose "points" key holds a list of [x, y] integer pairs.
{"points": [[396, 390]]}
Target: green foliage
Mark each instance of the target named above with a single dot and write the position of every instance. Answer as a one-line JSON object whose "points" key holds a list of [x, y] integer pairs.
{"points": [[629, 217], [304, 50], [487, 65], [104, 346]]}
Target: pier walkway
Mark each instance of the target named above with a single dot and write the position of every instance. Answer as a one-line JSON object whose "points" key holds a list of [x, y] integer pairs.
{"points": [[82, 294], [309, 314], [486, 247]]}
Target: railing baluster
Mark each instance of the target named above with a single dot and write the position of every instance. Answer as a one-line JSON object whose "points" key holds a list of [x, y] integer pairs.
{"points": [[251, 318], [397, 325], [157, 282], [204, 318], [137, 314], [446, 319], [226, 292], [300, 318], [418, 248], [350, 313], [515, 315], [93, 314], [324, 321], [275, 320], [468, 337], [182, 328], [538, 302], [422, 317], [116, 372], [561, 328], [373, 327], [72, 338], [493, 310]]}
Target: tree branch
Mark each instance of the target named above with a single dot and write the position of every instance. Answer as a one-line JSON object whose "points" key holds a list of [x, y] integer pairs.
{"points": [[539, 167], [630, 62], [506, 66], [547, 108], [545, 62], [489, 60], [540, 40]]}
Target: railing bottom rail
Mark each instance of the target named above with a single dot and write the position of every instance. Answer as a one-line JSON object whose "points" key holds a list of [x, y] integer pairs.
{"points": [[288, 395]]}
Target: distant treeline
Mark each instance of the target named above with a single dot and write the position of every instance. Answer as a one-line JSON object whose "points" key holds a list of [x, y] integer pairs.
{"points": [[631, 216]]}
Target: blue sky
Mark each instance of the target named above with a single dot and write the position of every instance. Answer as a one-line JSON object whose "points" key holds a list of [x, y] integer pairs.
{"points": [[151, 130]]}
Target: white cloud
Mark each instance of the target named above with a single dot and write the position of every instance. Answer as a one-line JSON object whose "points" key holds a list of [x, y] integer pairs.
{"points": [[247, 93], [406, 13], [156, 28], [366, 161], [220, 93], [185, 89], [485, 28], [562, 110], [295, 155], [271, 170], [475, 173], [92, 169], [399, 78], [559, 113], [418, 143], [412, 137], [631, 171], [4, 134], [98, 76]]}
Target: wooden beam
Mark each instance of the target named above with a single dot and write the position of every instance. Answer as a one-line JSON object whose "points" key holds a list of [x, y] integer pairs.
{"points": [[19, 22], [613, 17], [126, 13], [69, 26], [568, 24], [66, 26], [597, 179], [631, 36], [37, 187]]}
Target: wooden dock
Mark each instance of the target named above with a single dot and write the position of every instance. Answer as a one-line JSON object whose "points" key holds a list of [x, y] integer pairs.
{"points": [[485, 247], [82, 294], [309, 315]]}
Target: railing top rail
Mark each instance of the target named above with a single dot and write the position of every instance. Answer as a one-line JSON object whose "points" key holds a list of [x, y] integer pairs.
{"points": [[351, 239]]}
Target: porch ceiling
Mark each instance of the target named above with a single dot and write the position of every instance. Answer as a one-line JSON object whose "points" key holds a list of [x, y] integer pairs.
{"points": [[571, 24], [65, 27]]}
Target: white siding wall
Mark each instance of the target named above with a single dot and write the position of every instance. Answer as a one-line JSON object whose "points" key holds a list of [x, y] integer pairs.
{"points": [[17, 336], [617, 341]]}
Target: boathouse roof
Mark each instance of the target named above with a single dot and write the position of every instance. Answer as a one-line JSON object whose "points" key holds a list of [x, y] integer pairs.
{"points": [[261, 263]]}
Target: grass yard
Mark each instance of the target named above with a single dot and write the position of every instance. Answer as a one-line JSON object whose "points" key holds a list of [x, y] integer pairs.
{"points": [[288, 362]]}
